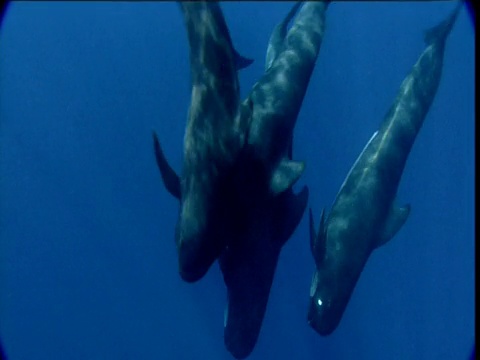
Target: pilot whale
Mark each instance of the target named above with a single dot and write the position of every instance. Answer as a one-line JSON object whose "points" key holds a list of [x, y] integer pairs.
{"points": [[277, 97], [271, 211], [363, 215], [248, 265], [214, 136]]}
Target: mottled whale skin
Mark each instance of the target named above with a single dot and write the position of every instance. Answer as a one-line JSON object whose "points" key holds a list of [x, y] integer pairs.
{"points": [[277, 97], [363, 215], [271, 210], [214, 136], [276, 43]]}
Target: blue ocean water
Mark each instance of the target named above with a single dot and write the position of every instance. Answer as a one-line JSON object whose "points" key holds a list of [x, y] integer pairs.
{"points": [[87, 259]]}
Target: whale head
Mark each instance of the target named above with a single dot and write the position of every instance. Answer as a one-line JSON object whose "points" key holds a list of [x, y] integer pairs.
{"points": [[328, 300], [202, 224]]}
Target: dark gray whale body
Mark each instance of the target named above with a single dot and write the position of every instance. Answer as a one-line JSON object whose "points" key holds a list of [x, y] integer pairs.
{"points": [[248, 266], [214, 137], [363, 215], [272, 211], [238, 169]]}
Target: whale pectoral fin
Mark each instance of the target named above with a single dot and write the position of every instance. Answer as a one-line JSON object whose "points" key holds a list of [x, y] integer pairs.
{"points": [[285, 175], [395, 220], [317, 240], [289, 212], [241, 62], [171, 181]]}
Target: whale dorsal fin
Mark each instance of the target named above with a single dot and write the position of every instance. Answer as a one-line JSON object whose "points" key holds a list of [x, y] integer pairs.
{"points": [[276, 43], [318, 240], [171, 180], [285, 175], [395, 220]]}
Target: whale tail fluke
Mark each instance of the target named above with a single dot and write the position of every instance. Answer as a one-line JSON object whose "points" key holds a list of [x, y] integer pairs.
{"points": [[440, 32]]}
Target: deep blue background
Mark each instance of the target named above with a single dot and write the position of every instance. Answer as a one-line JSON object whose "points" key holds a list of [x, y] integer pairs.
{"points": [[88, 263]]}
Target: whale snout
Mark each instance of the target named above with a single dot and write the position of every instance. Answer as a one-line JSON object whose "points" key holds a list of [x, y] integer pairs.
{"points": [[198, 246], [196, 254], [319, 320], [191, 271], [325, 312]]}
